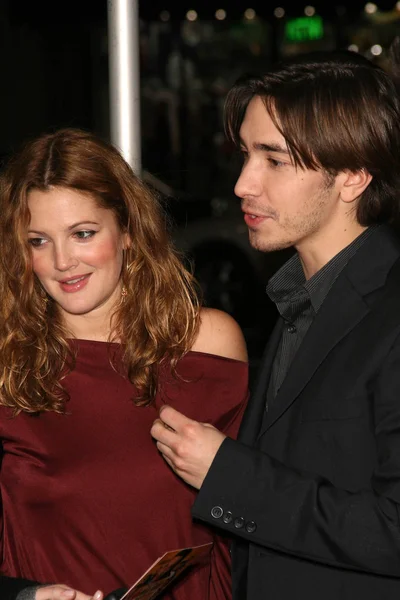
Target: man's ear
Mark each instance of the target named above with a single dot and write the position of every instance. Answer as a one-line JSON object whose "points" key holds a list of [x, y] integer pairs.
{"points": [[354, 184]]}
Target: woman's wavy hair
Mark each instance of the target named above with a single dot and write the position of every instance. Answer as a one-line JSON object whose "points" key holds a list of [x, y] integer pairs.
{"points": [[337, 111], [156, 321]]}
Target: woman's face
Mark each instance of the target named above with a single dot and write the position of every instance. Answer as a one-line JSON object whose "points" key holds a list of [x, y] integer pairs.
{"points": [[77, 250]]}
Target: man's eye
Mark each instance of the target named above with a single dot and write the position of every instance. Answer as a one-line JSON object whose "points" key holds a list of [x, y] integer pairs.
{"points": [[85, 234], [36, 242], [276, 163]]}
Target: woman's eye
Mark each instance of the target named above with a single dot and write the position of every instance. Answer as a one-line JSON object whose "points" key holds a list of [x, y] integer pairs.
{"points": [[36, 242], [85, 234]]}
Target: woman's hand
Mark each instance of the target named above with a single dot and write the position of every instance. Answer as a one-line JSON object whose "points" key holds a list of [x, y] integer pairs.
{"points": [[63, 592]]}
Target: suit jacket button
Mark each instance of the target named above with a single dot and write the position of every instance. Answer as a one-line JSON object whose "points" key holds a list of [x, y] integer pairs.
{"points": [[251, 527], [238, 522], [228, 517], [217, 512]]}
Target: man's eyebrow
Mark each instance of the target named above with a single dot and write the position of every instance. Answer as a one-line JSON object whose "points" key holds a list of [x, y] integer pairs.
{"points": [[272, 147]]}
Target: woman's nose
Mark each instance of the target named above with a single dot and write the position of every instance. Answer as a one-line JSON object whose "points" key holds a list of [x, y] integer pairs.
{"points": [[64, 258]]}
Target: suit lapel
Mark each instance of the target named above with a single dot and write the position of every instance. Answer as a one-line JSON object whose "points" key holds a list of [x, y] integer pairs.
{"points": [[348, 308], [253, 416], [344, 307]]}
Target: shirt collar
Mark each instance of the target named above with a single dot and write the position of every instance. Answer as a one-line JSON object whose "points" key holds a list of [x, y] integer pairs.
{"points": [[289, 284]]}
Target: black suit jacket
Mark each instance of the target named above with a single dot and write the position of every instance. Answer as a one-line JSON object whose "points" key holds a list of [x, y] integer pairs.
{"points": [[10, 587], [312, 491]]}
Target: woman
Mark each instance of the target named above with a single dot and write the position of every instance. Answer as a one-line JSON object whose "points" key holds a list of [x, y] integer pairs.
{"points": [[99, 326]]}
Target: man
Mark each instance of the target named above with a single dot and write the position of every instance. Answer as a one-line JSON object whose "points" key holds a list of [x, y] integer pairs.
{"points": [[311, 489]]}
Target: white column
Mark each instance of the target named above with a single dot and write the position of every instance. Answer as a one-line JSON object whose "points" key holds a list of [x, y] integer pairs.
{"points": [[124, 77]]}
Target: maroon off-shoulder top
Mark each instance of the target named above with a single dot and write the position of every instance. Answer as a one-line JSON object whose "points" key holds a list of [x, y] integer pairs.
{"points": [[87, 499]]}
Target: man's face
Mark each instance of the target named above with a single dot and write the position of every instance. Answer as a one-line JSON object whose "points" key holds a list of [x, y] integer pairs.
{"points": [[283, 204]]}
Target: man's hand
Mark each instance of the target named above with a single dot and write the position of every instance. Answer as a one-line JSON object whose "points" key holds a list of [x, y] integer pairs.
{"points": [[189, 447], [63, 592]]}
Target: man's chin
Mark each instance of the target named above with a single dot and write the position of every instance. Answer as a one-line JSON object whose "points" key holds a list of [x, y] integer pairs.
{"points": [[268, 245]]}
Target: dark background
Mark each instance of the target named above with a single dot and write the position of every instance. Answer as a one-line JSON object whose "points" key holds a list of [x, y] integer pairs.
{"points": [[54, 73]]}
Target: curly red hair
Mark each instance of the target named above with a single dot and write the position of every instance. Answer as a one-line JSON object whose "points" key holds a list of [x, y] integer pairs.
{"points": [[159, 317]]}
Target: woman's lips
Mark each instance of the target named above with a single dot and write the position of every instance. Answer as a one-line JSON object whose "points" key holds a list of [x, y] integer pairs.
{"points": [[74, 284]]}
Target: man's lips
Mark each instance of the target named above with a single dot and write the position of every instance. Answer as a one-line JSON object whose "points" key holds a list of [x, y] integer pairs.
{"points": [[252, 219]]}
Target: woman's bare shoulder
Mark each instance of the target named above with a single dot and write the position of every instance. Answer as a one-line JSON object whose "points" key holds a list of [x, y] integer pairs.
{"points": [[220, 334]]}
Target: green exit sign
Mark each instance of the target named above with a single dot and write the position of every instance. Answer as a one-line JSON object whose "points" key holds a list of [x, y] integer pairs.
{"points": [[304, 29]]}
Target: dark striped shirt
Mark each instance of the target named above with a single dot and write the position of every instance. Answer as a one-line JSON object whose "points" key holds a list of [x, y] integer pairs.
{"points": [[298, 300]]}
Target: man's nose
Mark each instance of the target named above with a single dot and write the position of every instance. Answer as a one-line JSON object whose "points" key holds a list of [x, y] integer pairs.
{"points": [[248, 183]]}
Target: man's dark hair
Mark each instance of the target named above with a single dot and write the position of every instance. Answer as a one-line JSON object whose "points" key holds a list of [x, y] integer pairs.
{"points": [[337, 111]]}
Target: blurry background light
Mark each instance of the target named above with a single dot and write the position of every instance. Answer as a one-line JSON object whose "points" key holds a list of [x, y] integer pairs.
{"points": [[220, 14], [353, 48], [250, 14], [279, 12], [376, 49], [191, 15], [309, 11], [165, 16], [370, 8]]}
